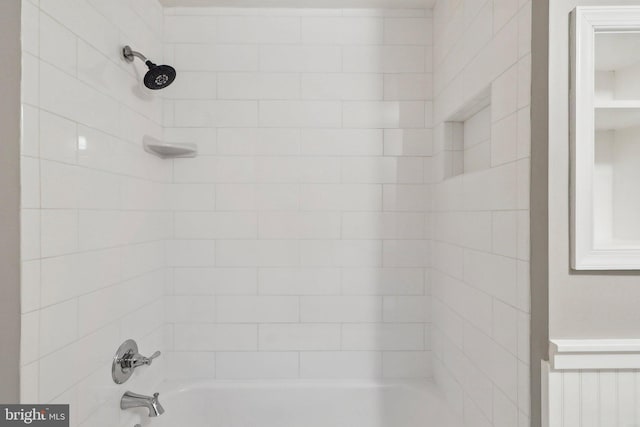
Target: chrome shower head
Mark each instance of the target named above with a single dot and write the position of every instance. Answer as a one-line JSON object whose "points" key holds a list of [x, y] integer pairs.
{"points": [[158, 76]]}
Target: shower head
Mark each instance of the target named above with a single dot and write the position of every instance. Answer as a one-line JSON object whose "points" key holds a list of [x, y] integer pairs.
{"points": [[158, 76]]}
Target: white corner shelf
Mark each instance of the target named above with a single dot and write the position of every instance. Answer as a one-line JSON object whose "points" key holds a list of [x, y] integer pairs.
{"points": [[586, 354], [617, 117], [169, 150], [617, 103]]}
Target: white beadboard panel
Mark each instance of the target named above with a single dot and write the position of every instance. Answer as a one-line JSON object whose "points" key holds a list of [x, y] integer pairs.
{"points": [[584, 398]]}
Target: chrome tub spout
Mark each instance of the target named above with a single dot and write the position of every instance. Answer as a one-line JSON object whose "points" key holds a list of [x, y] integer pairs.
{"points": [[134, 400]]}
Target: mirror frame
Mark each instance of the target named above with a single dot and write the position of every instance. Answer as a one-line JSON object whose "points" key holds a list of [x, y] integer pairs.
{"points": [[585, 22]]}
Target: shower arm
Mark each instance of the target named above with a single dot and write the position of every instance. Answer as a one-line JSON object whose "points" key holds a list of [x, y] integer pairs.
{"points": [[129, 54]]}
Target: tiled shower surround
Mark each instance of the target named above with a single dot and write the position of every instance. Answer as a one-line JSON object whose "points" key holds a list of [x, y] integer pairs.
{"points": [[299, 243], [95, 216], [300, 234], [480, 264]]}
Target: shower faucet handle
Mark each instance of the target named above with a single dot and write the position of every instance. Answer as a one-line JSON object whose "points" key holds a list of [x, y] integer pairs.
{"points": [[140, 360], [127, 359], [145, 360]]}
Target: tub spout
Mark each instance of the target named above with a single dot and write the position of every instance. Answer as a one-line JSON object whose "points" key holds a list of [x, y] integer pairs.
{"points": [[134, 400]]}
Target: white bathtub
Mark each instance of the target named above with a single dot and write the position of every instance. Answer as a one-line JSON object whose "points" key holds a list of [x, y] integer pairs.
{"points": [[301, 404]]}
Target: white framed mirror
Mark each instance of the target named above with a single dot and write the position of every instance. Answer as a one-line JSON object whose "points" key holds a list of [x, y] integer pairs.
{"points": [[605, 138]]}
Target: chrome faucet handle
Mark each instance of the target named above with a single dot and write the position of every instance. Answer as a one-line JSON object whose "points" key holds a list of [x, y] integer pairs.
{"points": [[153, 356], [127, 359], [139, 360]]}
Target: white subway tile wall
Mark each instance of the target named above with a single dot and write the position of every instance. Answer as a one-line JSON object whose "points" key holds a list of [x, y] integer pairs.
{"points": [[313, 237], [300, 245], [480, 219], [95, 206]]}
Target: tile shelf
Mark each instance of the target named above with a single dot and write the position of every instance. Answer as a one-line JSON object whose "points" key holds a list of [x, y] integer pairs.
{"points": [[169, 150]]}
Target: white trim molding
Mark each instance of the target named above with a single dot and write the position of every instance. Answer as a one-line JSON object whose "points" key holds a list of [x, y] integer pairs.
{"points": [[587, 252], [594, 354], [591, 383]]}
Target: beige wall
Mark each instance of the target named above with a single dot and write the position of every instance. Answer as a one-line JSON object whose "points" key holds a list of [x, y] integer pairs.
{"points": [[581, 305], [9, 199]]}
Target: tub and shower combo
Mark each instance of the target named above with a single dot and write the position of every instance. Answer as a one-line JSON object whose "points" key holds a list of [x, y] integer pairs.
{"points": [[275, 403], [313, 216]]}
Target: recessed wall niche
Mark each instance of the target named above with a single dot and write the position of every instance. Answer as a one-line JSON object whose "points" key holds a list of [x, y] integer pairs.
{"points": [[467, 136]]}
